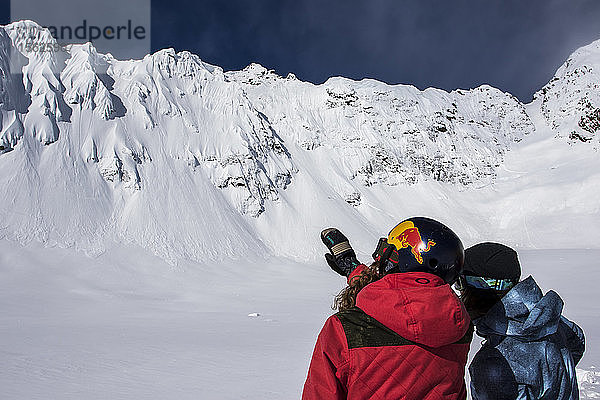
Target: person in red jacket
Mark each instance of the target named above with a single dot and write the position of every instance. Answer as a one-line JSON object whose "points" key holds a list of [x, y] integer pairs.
{"points": [[401, 332]]}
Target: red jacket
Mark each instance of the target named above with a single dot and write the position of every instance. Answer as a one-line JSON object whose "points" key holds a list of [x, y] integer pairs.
{"points": [[408, 338]]}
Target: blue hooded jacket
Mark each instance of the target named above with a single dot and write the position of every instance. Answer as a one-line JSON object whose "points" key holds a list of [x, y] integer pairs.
{"points": [[530, 351]]}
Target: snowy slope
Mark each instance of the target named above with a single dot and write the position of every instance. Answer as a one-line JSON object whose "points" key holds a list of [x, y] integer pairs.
{"points": [[126, 326], [191, 162]]}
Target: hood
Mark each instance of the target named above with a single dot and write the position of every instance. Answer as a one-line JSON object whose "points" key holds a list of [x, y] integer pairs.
{"points": [[524, 312], [418, 306]]}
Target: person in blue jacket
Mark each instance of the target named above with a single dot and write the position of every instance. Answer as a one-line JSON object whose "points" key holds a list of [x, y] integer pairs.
{"points": [[530, 350]]}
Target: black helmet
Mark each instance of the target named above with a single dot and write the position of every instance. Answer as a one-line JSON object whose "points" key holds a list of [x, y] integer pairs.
{"points": [[421, 244], [490, 266]]}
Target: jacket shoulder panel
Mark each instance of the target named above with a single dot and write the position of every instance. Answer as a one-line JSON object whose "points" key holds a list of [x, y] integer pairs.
{"points": [[362, 330]]}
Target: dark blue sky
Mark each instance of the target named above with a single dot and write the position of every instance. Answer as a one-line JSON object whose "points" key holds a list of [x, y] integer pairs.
{"points": [[515, 45]]}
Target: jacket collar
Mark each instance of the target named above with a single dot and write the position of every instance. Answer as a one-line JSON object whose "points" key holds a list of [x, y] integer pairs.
{"points": [[524, 312]]}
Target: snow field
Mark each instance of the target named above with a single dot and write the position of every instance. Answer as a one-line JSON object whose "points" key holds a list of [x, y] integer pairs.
{"points": [[127, 325]]}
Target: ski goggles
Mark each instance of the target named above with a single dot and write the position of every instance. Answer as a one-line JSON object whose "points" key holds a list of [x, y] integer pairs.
{"points": [[479, 282], [386, 254]]}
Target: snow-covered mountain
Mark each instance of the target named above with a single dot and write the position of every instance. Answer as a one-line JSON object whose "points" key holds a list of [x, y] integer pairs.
{"points": [[179, 157], [570, 102]]}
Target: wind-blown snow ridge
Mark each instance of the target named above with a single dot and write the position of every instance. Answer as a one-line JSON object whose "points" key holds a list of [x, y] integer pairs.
{"points": [[180, 157]]}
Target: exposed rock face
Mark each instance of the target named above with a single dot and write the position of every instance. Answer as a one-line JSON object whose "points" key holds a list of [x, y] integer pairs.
{"points": [[392, 134]]}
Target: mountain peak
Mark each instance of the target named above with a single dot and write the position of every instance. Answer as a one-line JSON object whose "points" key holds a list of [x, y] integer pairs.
{"points": [[570, 102]]}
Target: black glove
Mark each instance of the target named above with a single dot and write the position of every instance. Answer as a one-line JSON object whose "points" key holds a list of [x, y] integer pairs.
{"points": [[342, 258]]}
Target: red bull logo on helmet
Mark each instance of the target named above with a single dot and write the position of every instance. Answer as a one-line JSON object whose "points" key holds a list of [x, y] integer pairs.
{"points": [[406, 235]]}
